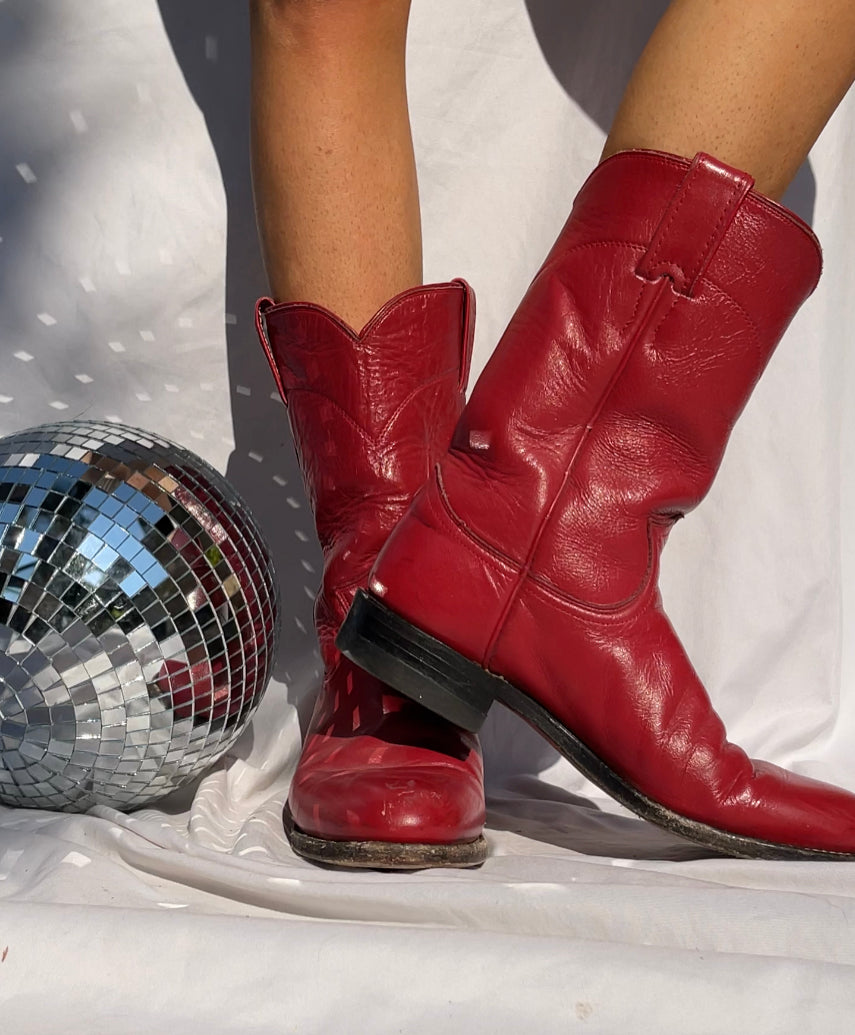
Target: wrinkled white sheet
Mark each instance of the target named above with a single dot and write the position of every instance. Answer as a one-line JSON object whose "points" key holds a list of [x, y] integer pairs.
{"points": [[128, 269]]}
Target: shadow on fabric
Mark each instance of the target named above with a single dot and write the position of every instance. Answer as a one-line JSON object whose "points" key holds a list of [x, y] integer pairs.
{"points": [[211, 45], [22, 26]]}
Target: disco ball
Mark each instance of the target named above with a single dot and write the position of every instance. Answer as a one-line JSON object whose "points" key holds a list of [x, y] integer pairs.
{"points": [[138, 616]]}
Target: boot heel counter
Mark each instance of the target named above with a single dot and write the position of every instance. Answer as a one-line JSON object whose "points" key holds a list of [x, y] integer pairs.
{"points": [[430, 565]]}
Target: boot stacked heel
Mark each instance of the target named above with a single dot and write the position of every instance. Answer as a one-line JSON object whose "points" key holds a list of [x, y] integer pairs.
{"points": [[417, 664]]}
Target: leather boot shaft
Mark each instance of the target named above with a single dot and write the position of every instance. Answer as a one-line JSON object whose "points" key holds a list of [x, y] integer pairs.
{"points": [[604, 412], [370, 414], [654, 316]]}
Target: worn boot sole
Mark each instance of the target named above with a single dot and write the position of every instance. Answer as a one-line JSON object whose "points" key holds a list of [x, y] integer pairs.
{"points": [[432, 673], [383, 855]]}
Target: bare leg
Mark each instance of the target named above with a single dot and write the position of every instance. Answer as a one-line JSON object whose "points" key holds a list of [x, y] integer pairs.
{"points": [[335, 179], [748, 81]]}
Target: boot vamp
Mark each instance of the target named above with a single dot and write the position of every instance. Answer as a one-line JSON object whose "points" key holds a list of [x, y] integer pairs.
{"points": [[624, 686], [376, 766]]}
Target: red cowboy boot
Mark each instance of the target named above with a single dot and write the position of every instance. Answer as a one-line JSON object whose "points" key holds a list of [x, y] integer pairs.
{"points": [[381, 781], [526, 570]]}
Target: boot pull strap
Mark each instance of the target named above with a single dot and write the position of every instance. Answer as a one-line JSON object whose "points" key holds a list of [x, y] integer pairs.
{"points": [[694, 223], [261, 307]]}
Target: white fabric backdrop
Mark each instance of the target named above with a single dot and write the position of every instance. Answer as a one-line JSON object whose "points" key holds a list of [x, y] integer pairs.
{"points": [[128, 269]]}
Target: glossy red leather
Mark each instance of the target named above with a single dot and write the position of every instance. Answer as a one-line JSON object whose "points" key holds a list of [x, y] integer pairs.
{"points": [[371, 413], [599, 421]]}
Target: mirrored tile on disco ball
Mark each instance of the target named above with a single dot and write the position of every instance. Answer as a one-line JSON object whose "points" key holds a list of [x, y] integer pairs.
{"points": [[138, 616]]}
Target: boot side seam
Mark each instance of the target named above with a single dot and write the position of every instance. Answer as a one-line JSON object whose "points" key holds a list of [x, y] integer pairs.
{"points": [[462, 457], [664, 520], [657, 293], [608, 612]]}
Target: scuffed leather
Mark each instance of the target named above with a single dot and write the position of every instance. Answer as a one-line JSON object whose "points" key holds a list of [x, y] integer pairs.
{"points": [[602, 418], [371, 413]]}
